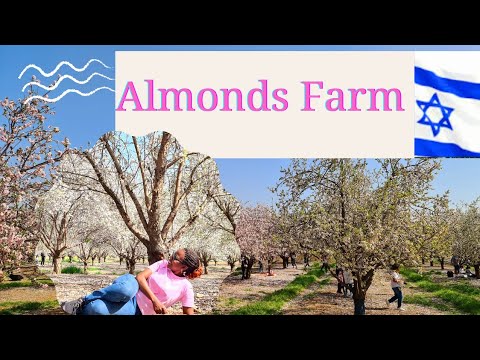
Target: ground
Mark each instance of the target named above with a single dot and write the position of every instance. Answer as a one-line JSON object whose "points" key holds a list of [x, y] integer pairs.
{"points": [[221, 292]]}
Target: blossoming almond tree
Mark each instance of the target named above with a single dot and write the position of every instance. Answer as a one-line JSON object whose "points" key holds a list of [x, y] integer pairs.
{"points": [[255, 235], [28, 152], [432, 226], [72, 220], [362, 213], [466, 235], [149, 179]]}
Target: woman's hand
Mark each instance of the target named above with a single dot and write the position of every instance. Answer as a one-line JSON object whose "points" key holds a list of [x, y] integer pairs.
{"points": [[158, 306]]}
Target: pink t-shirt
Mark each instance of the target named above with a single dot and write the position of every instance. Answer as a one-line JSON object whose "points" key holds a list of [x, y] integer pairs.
{"points": [[167, 287]]}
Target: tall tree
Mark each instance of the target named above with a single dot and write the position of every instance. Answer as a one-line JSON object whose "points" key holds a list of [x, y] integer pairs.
{"points": [[361, 212], [151, 180], [28, 152], [255, 235], [466, 236]]}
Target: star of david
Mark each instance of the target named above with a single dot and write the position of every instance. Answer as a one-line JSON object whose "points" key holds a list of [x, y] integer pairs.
{"points": [[436, 124]]}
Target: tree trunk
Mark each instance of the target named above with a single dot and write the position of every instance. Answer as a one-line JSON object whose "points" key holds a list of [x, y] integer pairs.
{"points": [[359, 306], [155, 253], [56, 264], [442, 263], [431, 262], [423, 261], [121, 259], [85, 264], [131, 266], [99, 258], [104, 259], [205, 266], [93, 259], [70, 258], [249, 267], [360, 287], [477, 270]]}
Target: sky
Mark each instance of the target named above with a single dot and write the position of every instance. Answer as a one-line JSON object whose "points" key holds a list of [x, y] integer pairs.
{"points": [[84, 119]]}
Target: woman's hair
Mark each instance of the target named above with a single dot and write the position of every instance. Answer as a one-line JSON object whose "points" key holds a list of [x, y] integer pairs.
{"points": [[192, 260]]}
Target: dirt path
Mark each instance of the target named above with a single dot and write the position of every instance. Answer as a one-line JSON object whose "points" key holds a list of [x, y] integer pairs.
{"points": [[323, 300], [235, 292]]}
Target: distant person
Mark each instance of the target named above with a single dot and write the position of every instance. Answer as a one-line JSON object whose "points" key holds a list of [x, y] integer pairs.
{"points": [[244, 265], [469, 272], [151, 292], [396, 283], [260, 266], [306, 260], [42, 258], [455, 261], [293, 259], [348, 283], [340, 280], [325, 264]]}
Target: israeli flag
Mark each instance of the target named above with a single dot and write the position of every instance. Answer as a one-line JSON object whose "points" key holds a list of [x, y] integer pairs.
{"points": [[447, 104]]}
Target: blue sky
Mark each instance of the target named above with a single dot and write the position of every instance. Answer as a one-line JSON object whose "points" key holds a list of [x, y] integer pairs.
{"points": [[83, 119]]}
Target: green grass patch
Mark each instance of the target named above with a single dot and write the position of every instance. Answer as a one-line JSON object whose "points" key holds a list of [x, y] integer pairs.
{"points": [[72, 270], [427, 300], [412, 275], [93, 268], [232, 301], [465, 289], [15, 284], [25, 307], [23, 283], [462, 297], [462, 302], [272, 303]]}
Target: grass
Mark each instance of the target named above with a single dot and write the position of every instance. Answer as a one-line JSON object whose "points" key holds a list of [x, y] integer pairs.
{"points": [[25, 307], [272, 303], [23, 283], [461, 297], [427, 300], [71, 270], [93, 268]]}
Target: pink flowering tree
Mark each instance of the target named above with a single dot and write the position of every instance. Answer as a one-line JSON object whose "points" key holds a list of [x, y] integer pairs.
{"points": [[28, 153], [255, 235]]}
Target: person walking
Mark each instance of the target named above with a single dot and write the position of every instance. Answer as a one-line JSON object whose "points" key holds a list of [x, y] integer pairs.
{"points": [[396, 283]]}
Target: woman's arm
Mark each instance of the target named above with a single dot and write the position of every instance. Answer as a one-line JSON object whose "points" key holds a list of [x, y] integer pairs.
{"points": [[142, 282], [187, 310]]}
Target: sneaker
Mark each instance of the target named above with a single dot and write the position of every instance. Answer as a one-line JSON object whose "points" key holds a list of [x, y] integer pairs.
{"points": [[73, 307], [401, 308], [388, 303]]}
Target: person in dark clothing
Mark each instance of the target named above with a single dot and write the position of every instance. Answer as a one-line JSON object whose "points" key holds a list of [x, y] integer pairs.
{"points": [[306, 262], [325, 264], [340, 280], [42, 258], [244, 265], [293, 259]]}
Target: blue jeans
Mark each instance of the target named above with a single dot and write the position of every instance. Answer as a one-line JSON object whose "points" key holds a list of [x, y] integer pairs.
{"points": [[398, 295], [116, 299]]}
